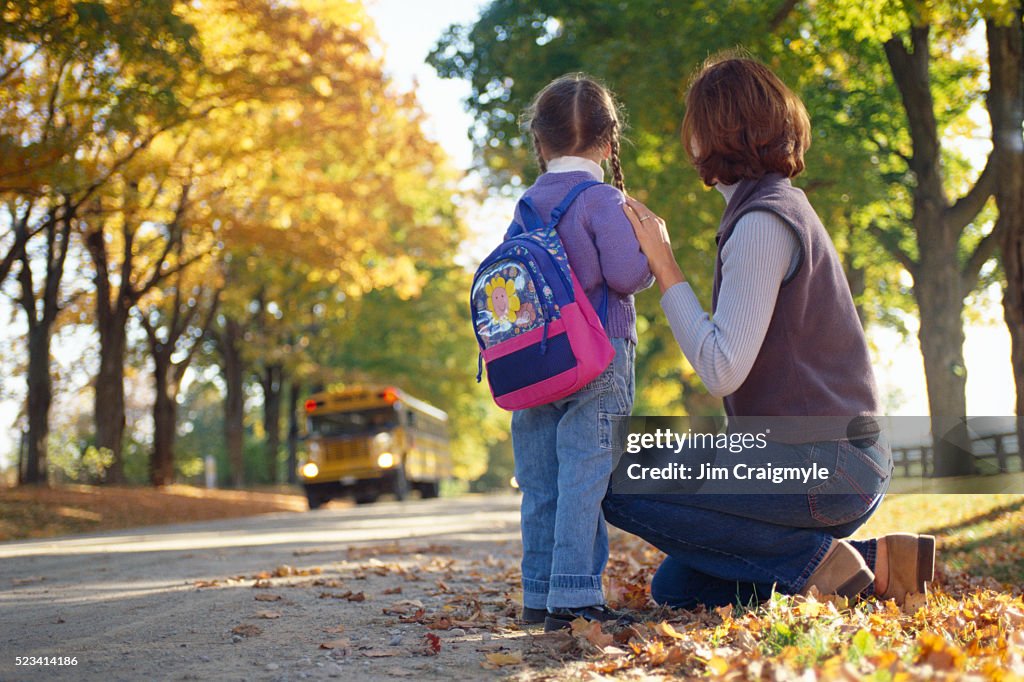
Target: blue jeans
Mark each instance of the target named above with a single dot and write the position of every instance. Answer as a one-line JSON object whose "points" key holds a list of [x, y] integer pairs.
{"points": [[734, 548], [565, 453]]}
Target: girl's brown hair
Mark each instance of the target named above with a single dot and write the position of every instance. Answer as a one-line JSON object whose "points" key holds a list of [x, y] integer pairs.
{"points": [[575, 114], [744, 122]]}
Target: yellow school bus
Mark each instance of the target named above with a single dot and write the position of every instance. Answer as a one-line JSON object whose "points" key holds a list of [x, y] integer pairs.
{"points": [[365, 441]]}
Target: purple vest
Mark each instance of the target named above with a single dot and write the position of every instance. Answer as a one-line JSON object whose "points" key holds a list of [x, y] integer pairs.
{"points": [[814, 360]]}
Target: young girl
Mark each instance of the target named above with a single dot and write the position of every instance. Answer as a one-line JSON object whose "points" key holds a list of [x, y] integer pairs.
{"points": [[565, 451]]}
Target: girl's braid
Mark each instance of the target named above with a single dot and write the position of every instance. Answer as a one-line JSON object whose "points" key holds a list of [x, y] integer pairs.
{"points": [[614, 162], [536, 151]]}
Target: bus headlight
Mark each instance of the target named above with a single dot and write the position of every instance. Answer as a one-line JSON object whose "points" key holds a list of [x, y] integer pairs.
{"points": [[383, 440], [385, 460], [310, 470]]}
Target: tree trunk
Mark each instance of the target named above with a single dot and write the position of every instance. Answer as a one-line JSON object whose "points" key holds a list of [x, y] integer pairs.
{"points": [[165, 419], [234, 404], [293, 432], [940, 282], [41, 311], [108, 401], [942, 340], [168, 374], [1006, 110], [1013, 311], [272, 382], [40, 395]]}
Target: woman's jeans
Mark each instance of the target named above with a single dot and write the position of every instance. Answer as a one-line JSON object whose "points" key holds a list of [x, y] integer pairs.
{"points": [[565, 453], [729, 548]]}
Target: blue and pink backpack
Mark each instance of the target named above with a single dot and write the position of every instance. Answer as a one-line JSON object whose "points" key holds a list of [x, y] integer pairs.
{"points": [[538, 333]]}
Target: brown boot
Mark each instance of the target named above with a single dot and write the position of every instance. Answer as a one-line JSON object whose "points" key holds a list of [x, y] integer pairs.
{"points": [[910, 562], [841, 572]]}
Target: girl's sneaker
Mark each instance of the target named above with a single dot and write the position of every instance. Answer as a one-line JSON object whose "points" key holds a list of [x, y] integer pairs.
{"points": [[559, 619], [532, 616]]}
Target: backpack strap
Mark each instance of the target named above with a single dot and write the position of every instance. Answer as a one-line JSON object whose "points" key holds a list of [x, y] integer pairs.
{"points": [[556, 214], [530, 216], [559, 211]]}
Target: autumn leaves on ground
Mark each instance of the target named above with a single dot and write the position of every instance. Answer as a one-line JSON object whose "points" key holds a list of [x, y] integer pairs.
{"points": [[433, 598]]}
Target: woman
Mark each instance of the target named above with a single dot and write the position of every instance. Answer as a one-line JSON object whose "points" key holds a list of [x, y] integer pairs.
{"points": [[784, 343]]}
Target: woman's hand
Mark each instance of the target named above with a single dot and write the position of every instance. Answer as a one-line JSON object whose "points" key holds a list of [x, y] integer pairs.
{"points": [[654, 242]]}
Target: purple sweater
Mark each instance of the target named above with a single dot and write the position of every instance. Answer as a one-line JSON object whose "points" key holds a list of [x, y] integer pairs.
{"points": [[600, 243]]}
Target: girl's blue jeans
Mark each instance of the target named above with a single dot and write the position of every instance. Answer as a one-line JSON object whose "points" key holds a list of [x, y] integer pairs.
{"points": [[736, 548], [565, 453]]}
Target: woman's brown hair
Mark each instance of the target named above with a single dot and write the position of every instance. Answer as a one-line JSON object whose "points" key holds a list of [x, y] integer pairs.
{"points": [[575, 114], [744, 122]]}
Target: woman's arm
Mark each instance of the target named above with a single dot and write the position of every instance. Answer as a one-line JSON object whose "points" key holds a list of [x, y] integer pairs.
{"points": [[755, 261], [652, 234]]}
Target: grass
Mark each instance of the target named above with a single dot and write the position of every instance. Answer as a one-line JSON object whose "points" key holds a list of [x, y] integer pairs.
{"points": [[971, 623], [31, 512]]}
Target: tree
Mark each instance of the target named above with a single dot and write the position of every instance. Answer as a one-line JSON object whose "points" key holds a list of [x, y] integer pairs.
{"points": [[41, 307], [516, 48], [871, 84], [174, 330], [75, 77], [1005, 35]]}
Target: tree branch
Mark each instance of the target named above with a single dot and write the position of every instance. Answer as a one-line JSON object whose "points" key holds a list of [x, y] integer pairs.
{"points": [[17, 65], [983, 251], [967, 207], [780, 15], [890, 242]]}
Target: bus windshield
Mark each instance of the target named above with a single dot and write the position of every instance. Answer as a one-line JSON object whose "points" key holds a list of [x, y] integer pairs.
{"points": [[359, 423]]}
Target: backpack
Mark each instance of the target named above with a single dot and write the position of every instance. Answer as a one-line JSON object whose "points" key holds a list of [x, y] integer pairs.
{"points": [[537, 332]]}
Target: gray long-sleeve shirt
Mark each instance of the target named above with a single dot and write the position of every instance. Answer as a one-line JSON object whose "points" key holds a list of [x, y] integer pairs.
{"points": [[762, 252]]}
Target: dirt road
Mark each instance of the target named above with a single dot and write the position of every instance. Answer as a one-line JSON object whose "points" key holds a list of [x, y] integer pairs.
{"points": [[385, 586]]}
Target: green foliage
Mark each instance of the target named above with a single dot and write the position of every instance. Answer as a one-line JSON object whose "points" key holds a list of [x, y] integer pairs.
{"points": [[87, 464], [857, 173], [500, 469]]}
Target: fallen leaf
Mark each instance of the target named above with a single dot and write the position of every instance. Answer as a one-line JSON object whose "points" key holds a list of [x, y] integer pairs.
{"points": [[268, 597], [499, 659], [667, 630], [269, 615], [403, 607], [433, 643], [718, 665], [247, 630], [336, 644], [591, 631]]}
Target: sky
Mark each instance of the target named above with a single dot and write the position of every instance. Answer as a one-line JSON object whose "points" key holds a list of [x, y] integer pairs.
{"points": [[409, 30]]}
